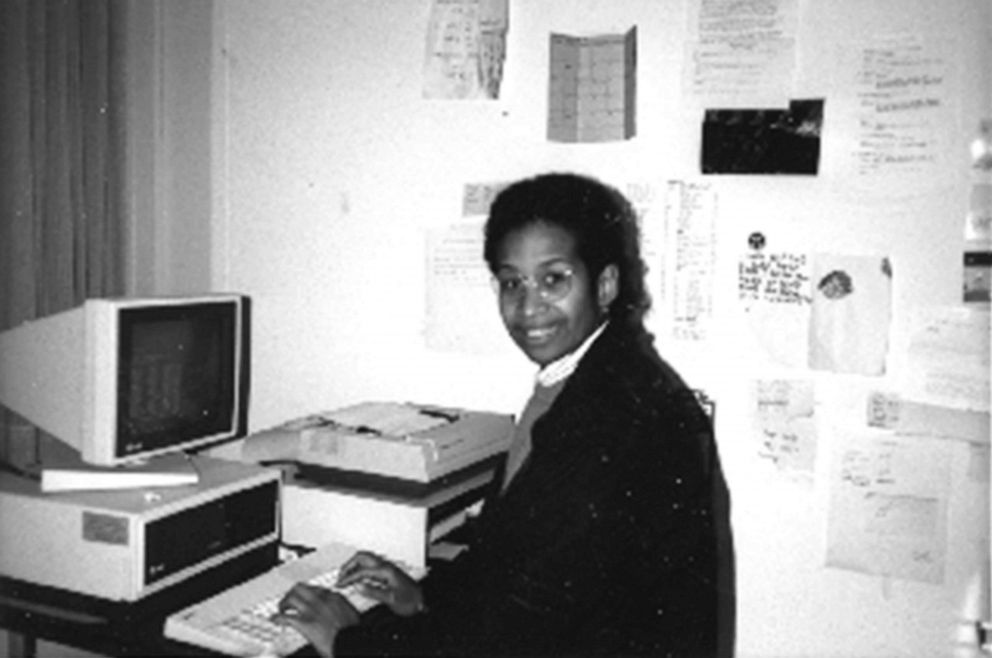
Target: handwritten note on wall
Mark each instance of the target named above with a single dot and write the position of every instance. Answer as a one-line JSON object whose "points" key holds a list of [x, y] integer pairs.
{"points": [[777, 278], [784, 426], [644, 195], [886, 410], [461, 310], [949, 357], [774, 292], [466, 47], [477, 197], [742, 54], [690, 219], [903, 111], [888, 507]]}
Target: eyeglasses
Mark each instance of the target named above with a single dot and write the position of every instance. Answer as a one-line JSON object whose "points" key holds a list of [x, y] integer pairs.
{"points": [[551, 285]]}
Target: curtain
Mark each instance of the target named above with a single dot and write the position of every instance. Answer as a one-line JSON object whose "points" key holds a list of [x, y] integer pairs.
{"points": [[62, 164]]}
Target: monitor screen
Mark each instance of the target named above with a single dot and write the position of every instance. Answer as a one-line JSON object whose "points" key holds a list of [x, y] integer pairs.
{"points": [[175, 375]]}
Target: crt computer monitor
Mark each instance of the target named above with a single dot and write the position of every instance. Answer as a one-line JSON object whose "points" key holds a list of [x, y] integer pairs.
{"points": [[122, 380]]}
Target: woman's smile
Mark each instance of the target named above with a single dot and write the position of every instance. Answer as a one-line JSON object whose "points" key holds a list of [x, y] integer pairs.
{"points": [[538, 335]]}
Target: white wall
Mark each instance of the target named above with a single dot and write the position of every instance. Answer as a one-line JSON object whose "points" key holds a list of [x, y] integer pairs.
{"points": [[328, 167]]}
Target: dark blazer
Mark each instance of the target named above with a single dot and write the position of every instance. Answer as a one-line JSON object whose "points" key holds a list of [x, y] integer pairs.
{"points": [[612, 540]]}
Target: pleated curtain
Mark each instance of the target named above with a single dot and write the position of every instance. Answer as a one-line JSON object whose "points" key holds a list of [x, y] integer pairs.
{"points": [[62, 162]]}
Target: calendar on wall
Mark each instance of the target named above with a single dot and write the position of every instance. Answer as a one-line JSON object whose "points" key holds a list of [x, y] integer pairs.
{"points": [[592, 87]]}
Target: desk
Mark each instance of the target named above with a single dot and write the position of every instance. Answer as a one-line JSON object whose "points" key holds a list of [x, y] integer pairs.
{"points": [[26, 623], [30, 613]]}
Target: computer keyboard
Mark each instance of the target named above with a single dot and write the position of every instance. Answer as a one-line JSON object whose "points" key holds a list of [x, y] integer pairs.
{"points": [[238, 621]]}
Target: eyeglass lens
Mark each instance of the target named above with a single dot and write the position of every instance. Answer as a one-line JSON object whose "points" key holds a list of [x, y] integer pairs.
{"points": [[551, 285]]}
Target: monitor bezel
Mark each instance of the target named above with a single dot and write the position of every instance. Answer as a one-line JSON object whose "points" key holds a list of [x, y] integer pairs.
{"points": [[101, 436]]}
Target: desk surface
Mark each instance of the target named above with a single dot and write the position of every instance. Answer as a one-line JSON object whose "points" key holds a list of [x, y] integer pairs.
{"points": [[112, 628], [34, 622], [27, 622], [30, 612]]}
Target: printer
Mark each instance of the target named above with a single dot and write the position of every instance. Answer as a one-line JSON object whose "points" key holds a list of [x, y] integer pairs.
{"points": [[392, 477], [386, 440]]}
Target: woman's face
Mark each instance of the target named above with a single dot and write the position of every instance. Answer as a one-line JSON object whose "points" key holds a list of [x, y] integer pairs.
{"points": [[547, 301]]}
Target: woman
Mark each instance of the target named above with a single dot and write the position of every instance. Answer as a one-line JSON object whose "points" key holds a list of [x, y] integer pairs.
{"points": [[611, 534]]}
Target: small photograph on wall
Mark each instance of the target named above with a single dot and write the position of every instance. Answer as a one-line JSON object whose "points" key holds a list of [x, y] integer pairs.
{"points": [[977, 276], [850, 314], [763, 141]]}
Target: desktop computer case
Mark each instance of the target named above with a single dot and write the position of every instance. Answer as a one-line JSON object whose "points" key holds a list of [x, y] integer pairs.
{"points": [[125, 545]]}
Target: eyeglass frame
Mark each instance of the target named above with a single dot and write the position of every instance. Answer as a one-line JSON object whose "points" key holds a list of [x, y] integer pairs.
{"points": [[529, 281]]}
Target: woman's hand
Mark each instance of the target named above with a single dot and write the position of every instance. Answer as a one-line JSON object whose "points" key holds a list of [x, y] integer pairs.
{"points": [[380, 579], [318, 614]]}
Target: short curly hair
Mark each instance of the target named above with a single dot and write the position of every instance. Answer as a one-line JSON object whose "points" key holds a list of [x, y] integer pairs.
{"points": [[600, 219]]}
